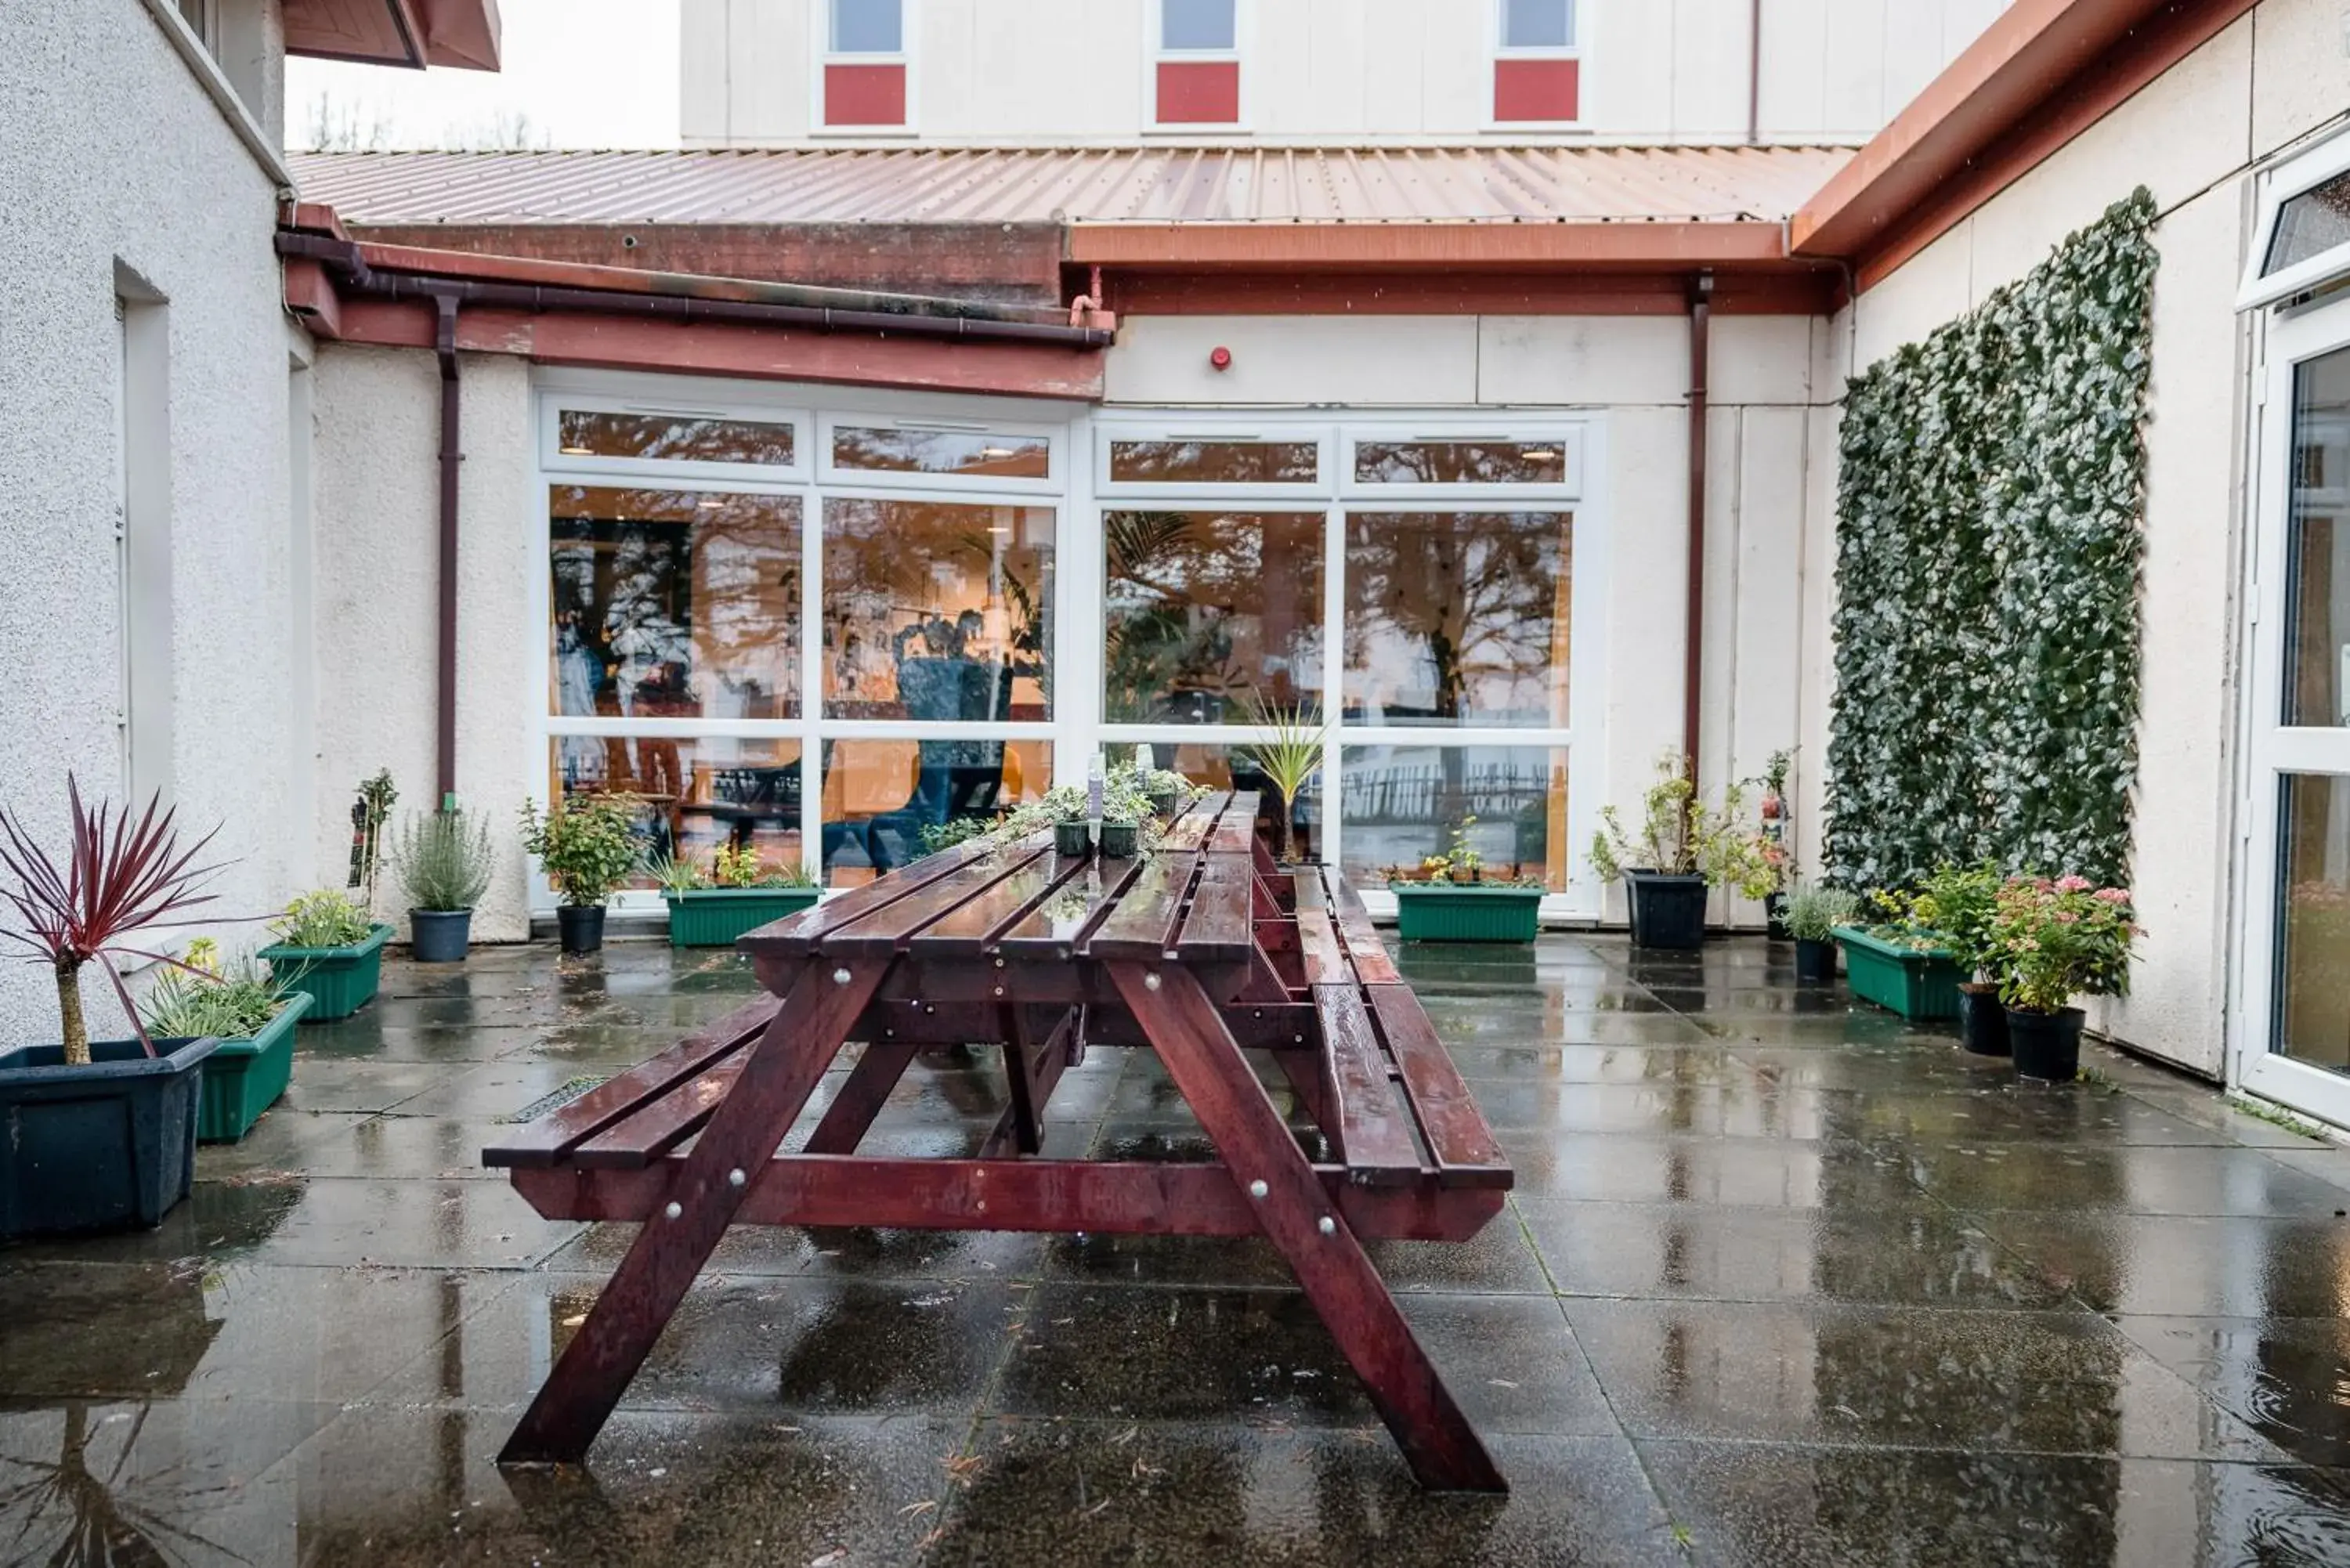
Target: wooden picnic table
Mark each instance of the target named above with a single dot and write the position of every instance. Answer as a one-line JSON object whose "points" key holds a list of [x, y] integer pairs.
{"points": [[1198, 948]]}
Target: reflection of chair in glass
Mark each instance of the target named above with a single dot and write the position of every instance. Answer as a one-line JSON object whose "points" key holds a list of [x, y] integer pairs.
{"points": [[742, 800]]}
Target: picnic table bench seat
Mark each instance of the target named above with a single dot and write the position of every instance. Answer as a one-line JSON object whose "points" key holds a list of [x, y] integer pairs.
{"points": [[1199, 947]]}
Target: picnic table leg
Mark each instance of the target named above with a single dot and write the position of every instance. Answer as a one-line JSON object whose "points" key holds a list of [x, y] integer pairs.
{"points": [[1297, 1217], [778, 1074]]}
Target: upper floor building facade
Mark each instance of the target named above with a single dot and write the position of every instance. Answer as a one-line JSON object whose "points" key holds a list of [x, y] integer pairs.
{"points": [[783, 73]]}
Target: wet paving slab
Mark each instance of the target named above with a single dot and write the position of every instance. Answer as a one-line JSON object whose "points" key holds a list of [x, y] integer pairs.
{"points": [[1785, 1280]]}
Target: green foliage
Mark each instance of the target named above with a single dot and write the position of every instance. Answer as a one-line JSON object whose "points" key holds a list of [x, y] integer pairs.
{"points": [[1814, 911], [326, 919], [1957, 903], [938, 835], [733, 866], [2056, 939], [588, 845], [1988, 548], [1289, 756], [1679, 836], [672, 875], [233, 1006], [444, 859]]}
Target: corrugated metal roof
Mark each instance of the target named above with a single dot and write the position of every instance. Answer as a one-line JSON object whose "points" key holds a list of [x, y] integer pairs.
{"points": [[1078, 185]]}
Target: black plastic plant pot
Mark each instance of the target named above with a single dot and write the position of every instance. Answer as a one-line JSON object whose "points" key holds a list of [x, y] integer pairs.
{"points": [[1121, 840], [1774, 918], [1667, 909], [1815, 962], [1072, 839], [2046, 1046], [580, 925], [1982, 1022], [108, 1145], [440, 935], [1163, 803]]}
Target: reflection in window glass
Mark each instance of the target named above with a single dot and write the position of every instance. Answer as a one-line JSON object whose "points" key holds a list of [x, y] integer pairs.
{"points": [[673, 604], [1457, 617], [1461, 462], [871, 448], [878, 795], [696, 794], [1217, 766], [1195, 24], [1216, 461], [2317, 544], [2314, 921], [867, 27], [2309, 225], [1206, 612], [1537, 24], [936, 610], [584, 433], [1402, 805]]}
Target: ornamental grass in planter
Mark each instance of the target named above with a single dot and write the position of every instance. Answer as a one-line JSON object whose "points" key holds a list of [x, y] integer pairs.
{"points": [[1455, 901], [735, 894], [97, 1135], [588, 847], [1812, 914], [2054, 940], [328, 948], [252, 1017], [444, 860], [1681, 852]]}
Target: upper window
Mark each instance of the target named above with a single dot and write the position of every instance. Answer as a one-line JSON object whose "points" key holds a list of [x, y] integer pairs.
{"points": [[1537, 65], [2302, 240], [1197, 77], [864, 81]]}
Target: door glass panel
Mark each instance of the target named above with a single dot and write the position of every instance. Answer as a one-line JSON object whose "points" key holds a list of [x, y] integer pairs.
{"points": [[936, 610], [886, 449], [2312, 1013], [1208, 611], [1458, 618], [2317, 544], [1216, 461], [673, 604], [694, 795], [581, 432], [878, 795], [1215, 765], [1401, 805], [1461, 462]]}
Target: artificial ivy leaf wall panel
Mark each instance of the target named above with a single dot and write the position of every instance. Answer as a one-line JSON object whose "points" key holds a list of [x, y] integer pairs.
{"points": [[1988, 512]]}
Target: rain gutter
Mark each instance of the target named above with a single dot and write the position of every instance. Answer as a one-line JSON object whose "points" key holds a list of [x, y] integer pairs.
{"points": [[1700, 317]]}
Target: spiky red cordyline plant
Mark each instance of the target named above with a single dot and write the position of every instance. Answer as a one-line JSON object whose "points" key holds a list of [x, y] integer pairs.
{"points": [[122, 878]]}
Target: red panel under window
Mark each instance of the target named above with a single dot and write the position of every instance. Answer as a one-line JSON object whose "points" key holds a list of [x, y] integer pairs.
{"points": [[864, 94], [1199, 92], [1537, 89]]}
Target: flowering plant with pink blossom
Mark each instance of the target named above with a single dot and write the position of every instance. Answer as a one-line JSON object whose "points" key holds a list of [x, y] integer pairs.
{"points": [[2054, 938]]}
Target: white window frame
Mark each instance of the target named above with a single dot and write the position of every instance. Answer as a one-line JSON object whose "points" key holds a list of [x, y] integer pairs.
{"points": [[832, 475], [1234, 429], [1568, 437], [822, 54], [1156, 53], [551, 456], [2295, 176], [1496, 52]]}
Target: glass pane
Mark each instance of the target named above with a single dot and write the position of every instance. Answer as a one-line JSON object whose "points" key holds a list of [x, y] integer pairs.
{"points": [[697, 795], [674, 603], [878, 795], [1402, 805], [867, 27], [2317, 544], [1207, 611], [936, 610], [2310, 224], [1221, 766], [1196, 23], [1216, 461], [1461, 462], [2313, 923], [1457, 617], [871, 448], [1537, 24], [583, 434]]}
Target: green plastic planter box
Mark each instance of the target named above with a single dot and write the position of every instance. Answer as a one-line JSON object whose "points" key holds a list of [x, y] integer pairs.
{"points": [[714, 917], [1466, 912], [337, 981], [1912, 982], [244, 1077]]}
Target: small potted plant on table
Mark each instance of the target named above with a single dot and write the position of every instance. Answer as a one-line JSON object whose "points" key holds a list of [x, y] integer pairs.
{"points": [[1455, 901], [1288, 758], [1682, 853], [1812, 914], [329, 950], [251, 1015], [100, 1134], [737, 894], [589, 847], [2056, 940], [444, 861]]}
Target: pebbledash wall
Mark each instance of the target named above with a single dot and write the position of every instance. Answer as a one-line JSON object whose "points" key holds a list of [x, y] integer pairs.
{"points": [[2258, 88], [168, 202]]}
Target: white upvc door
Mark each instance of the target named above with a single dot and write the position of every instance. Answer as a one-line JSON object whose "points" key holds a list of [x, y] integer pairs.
{"points": [[2292, 1041]]}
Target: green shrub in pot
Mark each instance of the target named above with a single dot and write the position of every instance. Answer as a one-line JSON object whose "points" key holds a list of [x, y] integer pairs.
{"points": [[326, 947], [587, 846]]}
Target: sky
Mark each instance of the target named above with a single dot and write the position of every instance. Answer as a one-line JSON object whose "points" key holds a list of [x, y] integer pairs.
{"points": [[578, 73]]}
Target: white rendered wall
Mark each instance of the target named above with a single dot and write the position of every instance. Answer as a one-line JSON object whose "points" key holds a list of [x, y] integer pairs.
{"points": [[1057, 72], [111, 154]]}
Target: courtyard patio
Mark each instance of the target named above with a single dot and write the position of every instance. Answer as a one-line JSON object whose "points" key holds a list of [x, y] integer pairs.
{"points": [[1784, 1280]]}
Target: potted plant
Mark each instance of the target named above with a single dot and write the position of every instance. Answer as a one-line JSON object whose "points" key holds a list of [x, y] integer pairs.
{"points": [[1773, 843], [709, 907], [2056, 940], [1455, 901], [1288, 758], [444, 860], [1899, 964], [328, 950], [253, 1018], [100, 1134], [589, 847], [1958, 903], [1682, 853], [1812, 914]]}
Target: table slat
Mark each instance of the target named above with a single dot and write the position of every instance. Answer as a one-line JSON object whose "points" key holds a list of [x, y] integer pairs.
{"points": [[972, 929], [1374, 1131], [1190, 830], [1221, 927], [894, 925], [796, 935], [1373, 964], [1235, 829], [1458, 1141], [1051, 932], [1141, 924], [1318, 948], [653, 1129]]}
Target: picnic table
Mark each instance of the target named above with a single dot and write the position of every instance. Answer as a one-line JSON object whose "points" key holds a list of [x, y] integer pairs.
{"points": [[1198, 948]]}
